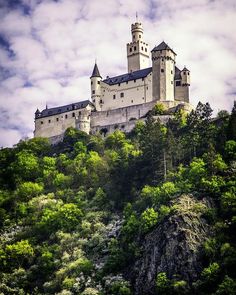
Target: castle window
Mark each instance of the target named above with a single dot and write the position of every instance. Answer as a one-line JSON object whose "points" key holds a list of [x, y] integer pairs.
{"points": [[130, 50], [134, 36], [73, 114], [142, 79], [132, 101], [134, 48], [79, 113], [178, 83], [114, 96], [188, 73], [145, 49], [66, 116], [122, 94], [49, 121], [162, 70], [118, 84], [171, 82], [134, 80], [93, 91], [57, 119], [184, 73], [171, 72], [139, 36], [91, 82], [127, 82], [41, 122], [142, 47], [101, 101], [162, 59], [98, 82]]}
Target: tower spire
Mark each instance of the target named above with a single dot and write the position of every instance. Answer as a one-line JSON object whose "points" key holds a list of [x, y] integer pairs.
{"points": [[95, 72], [136, 16]]}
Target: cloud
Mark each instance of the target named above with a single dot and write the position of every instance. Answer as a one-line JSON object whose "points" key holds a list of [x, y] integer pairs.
{"points": [[48, 48]]}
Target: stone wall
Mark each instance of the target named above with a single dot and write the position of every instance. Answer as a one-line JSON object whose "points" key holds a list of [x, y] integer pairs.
{"points": [[120, 115]]}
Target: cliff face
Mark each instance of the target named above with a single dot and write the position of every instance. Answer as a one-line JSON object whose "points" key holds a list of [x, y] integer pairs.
{"points": [[173, 247]]}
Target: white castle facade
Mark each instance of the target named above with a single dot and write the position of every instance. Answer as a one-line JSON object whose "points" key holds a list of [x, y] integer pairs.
{"points": [[119, 102]]}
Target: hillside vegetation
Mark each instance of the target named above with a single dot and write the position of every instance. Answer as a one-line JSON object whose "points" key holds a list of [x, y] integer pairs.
{"points": [[150, 212]]}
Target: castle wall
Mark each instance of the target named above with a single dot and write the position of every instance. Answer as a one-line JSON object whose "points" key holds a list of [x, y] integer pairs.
{"points": [[55, 125], [121, 115], [134, 93], [125, 126]]}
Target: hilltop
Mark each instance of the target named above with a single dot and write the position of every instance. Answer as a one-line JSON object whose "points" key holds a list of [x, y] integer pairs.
{"points": [[148, 212]]}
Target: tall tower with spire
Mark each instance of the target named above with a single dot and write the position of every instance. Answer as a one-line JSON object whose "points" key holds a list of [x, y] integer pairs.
{"points": [[137, 50], [96, 87]]}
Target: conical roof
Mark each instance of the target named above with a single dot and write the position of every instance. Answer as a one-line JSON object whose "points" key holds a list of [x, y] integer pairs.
{"points": [[162, 46], [95, 72], [185, 69]]}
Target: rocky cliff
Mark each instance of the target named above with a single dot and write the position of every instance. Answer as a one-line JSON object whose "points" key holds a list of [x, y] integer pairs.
{"points": [[174, 246]]}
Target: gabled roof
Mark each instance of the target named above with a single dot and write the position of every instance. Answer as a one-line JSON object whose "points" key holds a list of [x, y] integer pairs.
{"points": [[95, 72], [128, 77], [177, 74], [162, 46], [63, 109]]}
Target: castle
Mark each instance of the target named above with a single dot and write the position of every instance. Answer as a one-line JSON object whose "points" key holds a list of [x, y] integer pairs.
{"points": [[118, 102]]}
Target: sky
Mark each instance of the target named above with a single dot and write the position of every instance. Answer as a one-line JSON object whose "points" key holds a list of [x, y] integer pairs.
{"points": [[48, 49]]}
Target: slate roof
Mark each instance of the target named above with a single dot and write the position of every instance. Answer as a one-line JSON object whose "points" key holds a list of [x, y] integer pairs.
{"points": [[128, 77], [162, 46], [177, 74], [95, 72], [63, 109]]}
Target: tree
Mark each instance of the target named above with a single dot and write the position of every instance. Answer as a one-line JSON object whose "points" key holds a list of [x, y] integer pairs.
{"points": [[149, 219], [19, 253], [162, 283], [231, 130]]}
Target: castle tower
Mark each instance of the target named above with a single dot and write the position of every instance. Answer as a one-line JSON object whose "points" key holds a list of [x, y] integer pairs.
{"points": [[137, 50], [83, 121], [96, 88], [185, 75], [163, 70]]}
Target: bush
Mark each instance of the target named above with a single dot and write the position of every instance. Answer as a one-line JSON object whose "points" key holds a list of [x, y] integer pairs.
{"points": [[162, 283]]}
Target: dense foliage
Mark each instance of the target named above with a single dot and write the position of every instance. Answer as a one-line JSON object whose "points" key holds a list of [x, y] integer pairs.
{"points": [[72, 215]]}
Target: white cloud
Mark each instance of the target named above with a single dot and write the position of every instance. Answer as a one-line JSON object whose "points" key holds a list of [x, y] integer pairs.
{"points": [[49, 52]]}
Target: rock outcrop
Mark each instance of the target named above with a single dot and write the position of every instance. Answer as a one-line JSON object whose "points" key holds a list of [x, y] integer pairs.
{"points": [[173, 247]]}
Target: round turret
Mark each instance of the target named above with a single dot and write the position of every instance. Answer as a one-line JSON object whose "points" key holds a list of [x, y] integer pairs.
{"points": [[37, 113], [96, 87], [137, 32], [83, 121]]}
